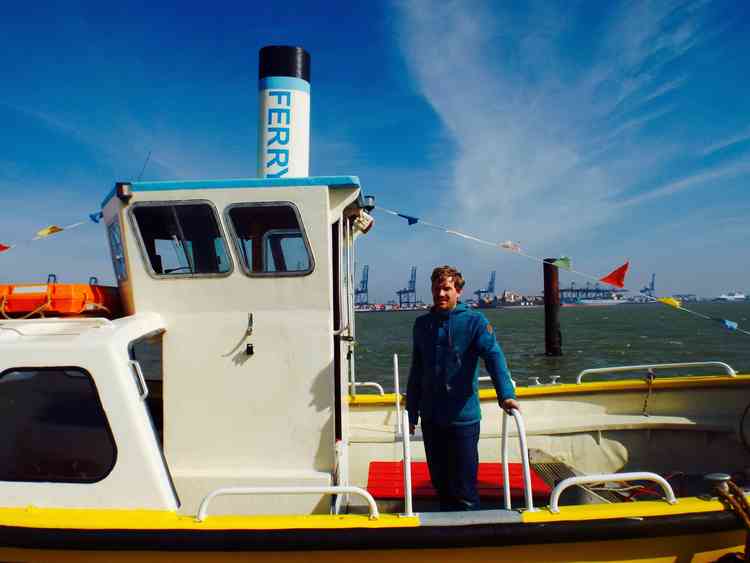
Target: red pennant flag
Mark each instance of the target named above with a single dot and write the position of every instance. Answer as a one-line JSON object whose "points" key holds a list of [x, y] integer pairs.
{"points": [[617, 276], [4, 247]]}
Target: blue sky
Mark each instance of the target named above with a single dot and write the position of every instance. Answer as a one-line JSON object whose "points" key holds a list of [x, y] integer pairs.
{"points": [[604, 131]]}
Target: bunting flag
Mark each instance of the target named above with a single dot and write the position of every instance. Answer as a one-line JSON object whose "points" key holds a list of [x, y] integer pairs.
{"points": [[510, 245], [671, 301], [53, 230], [409, 218], [49, 231], [617, 276], [563, 262]]}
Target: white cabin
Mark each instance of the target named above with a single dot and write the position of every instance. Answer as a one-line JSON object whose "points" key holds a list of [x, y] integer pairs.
{"points": [[244, 288]]}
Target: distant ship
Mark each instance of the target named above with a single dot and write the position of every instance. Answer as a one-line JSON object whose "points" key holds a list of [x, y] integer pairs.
{"points": [[600, 302], [732, 296]]}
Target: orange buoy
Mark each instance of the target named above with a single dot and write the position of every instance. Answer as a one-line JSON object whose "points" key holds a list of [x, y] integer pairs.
{"points": [[58, 299]]}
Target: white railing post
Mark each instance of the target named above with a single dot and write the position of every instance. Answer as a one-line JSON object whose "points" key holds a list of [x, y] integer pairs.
{"points": [[372, 384], [341, 474], [397, 390], [324, 490], [524, 461], [408, 505], [615, 477], [504, 461], [622, 369]]}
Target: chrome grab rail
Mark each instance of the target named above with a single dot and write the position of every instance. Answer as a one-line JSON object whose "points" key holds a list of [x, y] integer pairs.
{"points": [[341, 473], [368, 384], [588, 479], [329, 490], [141, 380], [619, 369], [397, 391], [408, 505], [524, 458]]}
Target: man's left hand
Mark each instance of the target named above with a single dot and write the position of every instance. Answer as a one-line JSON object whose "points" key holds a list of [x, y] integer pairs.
{"points": [[509, 404]]}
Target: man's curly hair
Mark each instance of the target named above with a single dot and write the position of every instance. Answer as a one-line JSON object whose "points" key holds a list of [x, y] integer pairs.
{"points": [[448, 272]]}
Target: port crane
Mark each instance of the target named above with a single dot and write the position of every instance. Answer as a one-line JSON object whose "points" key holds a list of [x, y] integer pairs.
{"points": [[361, 297], [408, 295], [488, 291], [651, 288]]}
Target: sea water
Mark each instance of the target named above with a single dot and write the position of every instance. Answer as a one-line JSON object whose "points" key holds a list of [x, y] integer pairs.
{"points": [[592, 337]]}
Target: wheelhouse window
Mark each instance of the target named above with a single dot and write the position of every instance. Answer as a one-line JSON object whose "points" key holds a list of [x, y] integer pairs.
{"points": [[54, 427], [181, 239], [270, 239]]}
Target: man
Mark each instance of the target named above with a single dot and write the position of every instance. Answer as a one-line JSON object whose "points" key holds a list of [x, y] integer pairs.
{"points": [[443, 388]]}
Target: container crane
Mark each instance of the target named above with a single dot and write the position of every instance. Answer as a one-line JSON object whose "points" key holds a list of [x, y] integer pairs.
{"points": [[408, 296], [361, 297]]}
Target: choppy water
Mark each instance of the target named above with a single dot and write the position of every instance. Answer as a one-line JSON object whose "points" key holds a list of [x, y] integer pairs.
{"points": [[592, 337]]}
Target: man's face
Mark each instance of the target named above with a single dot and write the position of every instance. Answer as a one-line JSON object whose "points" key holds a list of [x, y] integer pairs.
{"points": [[445, 294]]}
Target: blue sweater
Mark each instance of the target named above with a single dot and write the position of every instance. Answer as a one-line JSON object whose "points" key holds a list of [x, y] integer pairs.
{"points": [[443, 381]]}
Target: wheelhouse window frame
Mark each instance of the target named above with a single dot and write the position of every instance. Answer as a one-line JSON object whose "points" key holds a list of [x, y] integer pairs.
{"points": [[117, 250], [239, 248], [177, 275], [76, 372]]}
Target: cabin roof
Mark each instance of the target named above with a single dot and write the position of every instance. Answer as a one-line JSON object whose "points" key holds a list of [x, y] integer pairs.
{"points": [[332, 182]]}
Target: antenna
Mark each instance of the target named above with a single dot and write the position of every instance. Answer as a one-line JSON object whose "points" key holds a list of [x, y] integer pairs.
{"points": [[148, 157]]}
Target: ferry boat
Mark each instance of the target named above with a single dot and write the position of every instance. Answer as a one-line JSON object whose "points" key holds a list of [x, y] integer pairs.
{"points": [[216, 416]]}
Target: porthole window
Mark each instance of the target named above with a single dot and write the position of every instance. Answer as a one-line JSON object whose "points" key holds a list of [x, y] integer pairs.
{"points": [[270, 239], [54, 427], [181, 239]]}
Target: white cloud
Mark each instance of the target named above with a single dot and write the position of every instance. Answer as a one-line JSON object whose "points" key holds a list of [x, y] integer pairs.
{"points": [[524, 128], [702, 178], [728, 142], [550, 148]]}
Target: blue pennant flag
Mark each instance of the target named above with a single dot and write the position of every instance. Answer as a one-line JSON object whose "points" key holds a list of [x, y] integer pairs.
{"points": [[409, 218], [730, 325], [96, 217]]}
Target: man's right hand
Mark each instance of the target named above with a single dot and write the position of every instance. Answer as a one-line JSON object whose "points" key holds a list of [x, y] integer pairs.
{"points": [[412, 429]]}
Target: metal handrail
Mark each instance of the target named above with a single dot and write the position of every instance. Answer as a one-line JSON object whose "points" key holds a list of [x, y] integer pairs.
{"points": [[341, 472], [141, 380], [327, 490], [619, 477], [408, 505], [524, 459], [619, 369], [377, 386], [397, 391]]}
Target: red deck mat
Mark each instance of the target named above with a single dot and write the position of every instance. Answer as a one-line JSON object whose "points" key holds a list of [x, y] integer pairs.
{"points": [[385, 480]]}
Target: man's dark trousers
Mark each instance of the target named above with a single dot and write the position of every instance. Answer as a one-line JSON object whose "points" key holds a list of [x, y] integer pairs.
{"points": [[453, 460]]}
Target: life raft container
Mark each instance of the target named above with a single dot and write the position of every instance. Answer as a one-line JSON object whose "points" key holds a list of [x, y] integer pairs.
{"points": [[58, 299]]}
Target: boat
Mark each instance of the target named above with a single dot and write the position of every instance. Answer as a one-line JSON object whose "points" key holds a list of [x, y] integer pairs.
{"points": [[599, 302], [217, 416], [732, 296]]}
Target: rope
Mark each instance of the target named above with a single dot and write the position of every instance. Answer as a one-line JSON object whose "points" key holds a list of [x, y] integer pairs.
{"points": [[735, 498], [39, 310], [515, 249], [650, 377]]}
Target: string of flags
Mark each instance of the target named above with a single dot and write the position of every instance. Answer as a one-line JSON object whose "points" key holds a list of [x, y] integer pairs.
{"points": [[52, 230], [615, 278]]}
